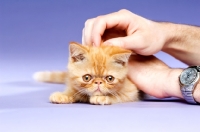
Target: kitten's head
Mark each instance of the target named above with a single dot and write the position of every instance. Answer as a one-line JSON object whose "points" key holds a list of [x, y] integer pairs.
{"points": [[97, 70]]}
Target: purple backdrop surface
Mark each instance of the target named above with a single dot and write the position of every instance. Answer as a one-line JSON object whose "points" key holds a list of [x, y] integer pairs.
{"points": [[34, 35]]}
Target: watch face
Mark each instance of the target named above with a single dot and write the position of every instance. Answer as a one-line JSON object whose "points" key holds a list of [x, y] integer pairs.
{"points": [[188, 76]]}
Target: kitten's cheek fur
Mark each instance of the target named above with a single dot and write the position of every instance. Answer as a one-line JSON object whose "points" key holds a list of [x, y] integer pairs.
{"points": [[100, 100]]}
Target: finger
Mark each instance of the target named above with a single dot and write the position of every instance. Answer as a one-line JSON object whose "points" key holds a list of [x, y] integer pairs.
{"points": [[118, 19], [86, 35], [83, 38], [128, 42]]}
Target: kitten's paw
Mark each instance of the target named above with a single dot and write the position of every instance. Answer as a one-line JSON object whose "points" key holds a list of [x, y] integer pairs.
{"points": [[60, 98], [100, 100]]}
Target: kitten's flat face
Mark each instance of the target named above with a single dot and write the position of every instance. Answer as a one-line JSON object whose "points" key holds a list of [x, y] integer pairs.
{"points": [[97, 70]]}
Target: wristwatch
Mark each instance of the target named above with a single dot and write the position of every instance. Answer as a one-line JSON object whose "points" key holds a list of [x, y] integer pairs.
{"points": [[188, 81]]}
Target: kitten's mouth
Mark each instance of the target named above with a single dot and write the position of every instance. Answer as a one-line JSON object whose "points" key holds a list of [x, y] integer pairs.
{"points": [[97, 92]]}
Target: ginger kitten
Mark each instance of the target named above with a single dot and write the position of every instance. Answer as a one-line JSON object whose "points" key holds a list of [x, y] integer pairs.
{"points": [[97, 75]]}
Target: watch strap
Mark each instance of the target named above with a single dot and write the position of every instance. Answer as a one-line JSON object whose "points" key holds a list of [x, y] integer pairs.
{"points": [[187, 92]]}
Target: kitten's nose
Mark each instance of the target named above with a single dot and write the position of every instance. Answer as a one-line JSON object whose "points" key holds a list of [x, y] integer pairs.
{"points": [[98, 82]]}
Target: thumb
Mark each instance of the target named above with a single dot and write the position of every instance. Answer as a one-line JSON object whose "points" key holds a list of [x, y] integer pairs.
{"points": [[129, 42], [115, 42]]}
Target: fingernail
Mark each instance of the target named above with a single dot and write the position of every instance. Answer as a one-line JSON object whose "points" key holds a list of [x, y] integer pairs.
{"points": [[93, 44]]}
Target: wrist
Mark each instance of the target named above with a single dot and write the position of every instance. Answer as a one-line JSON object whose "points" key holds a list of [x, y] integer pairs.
{"points": [[196, 93], [170, 35], [182, 42], [172, 86]]}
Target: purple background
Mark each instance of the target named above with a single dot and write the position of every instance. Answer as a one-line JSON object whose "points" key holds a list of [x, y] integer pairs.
{"points": [[34, 35]]}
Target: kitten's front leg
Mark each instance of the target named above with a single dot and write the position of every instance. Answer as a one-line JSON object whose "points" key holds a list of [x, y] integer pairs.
{"points": [[62, 97], [101, 100]]}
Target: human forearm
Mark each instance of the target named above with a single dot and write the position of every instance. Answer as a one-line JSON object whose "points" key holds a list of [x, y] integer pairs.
{"points": [[154, 77], [182, 42]]}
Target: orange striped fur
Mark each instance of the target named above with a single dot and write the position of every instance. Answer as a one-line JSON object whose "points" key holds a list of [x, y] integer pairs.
{"points": [[97, 75], [51, 76]]}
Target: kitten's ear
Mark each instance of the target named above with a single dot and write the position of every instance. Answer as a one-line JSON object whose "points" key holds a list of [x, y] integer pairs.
{"points": [[77, 51], [122, 58]]}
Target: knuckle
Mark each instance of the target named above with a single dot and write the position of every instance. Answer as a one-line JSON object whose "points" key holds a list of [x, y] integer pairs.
{"points": [[124, 10], [99, 18], [99, 21], [89, 21]]}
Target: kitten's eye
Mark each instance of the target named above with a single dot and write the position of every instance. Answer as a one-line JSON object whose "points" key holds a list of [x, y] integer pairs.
{"points": [[110, 78], [87, 78]]}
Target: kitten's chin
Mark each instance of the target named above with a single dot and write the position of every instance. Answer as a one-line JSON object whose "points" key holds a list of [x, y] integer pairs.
{"points": [[97, 93]]}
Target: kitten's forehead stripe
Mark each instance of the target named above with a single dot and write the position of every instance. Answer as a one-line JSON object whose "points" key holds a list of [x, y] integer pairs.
{"points": [[99, 62], [100, 56]]}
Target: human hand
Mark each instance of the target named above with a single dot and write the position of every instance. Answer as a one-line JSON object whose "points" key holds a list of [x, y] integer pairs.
{"points": [[127, 30]]}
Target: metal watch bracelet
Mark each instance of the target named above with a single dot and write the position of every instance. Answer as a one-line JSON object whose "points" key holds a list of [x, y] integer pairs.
{"points": [[188, 95]]}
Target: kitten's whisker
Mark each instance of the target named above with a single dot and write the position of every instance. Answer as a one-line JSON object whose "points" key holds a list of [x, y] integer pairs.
{"points": [[120, 94], [82, 97], [117, 95], [80, 93], [114, 95]]}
